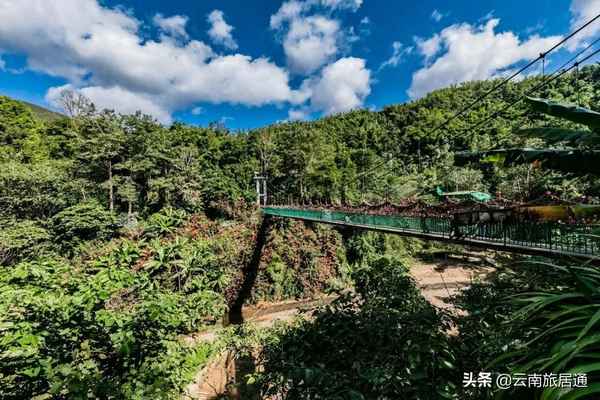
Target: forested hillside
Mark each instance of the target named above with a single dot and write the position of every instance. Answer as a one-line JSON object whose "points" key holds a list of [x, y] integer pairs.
{"points": [[131, 164], [118, 234]]}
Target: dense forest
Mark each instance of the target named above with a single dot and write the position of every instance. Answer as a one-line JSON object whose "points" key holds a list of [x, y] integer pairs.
{"points": [[119, 235]]}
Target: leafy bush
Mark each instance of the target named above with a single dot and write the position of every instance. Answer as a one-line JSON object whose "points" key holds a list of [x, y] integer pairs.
{"points": [[80, 223], [560, 331], [163, 222], [105, 334], [519, 320], [298, 260], [16, 122], [464, 179], [38, 190], [21, 240]]}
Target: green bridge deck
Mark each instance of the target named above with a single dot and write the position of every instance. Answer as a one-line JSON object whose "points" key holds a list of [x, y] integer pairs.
{"points": [[536, 238]]}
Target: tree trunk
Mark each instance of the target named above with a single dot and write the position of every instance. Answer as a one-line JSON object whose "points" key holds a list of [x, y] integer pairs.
{"points": [[111, 205]]}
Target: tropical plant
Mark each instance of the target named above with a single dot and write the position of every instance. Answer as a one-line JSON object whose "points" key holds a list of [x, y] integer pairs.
{"points": [[579, 155], [563, 336], [21, 240], [165, 221]]}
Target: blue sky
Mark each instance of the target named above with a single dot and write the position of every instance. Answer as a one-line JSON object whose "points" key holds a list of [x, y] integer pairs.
{"points": [[251, 63]]}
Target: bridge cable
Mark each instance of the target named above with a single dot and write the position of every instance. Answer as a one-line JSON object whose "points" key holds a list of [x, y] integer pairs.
{"points": [[539, 86], [499, 85], [505, 81], [547, 80]]}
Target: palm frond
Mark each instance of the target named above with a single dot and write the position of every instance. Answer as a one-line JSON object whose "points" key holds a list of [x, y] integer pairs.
{"points": [[569, 112], [569, 160], [553, 135]]}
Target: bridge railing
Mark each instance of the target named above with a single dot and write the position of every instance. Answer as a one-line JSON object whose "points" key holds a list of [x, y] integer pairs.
{"points": [[566, 238]]}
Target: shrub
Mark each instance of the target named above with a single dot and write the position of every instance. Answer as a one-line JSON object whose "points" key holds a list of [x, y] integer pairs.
{"points": [[80, 223], [36, 191], [21, 239], [560, 332], [106, 334], [164, 222]]}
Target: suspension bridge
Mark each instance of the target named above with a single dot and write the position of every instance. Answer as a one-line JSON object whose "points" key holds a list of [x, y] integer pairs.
{"points": [[543, 238], [511, 229]]}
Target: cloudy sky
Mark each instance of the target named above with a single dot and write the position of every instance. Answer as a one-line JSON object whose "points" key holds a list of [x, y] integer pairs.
{"points": [[248, 63]]}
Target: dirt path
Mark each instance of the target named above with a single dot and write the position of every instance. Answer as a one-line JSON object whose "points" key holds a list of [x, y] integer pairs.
{"points": [[442, 278]]}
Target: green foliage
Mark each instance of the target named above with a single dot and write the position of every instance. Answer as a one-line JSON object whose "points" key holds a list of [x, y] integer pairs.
{"points": [[21, 240], [385, 341], [299, 261], [464, 179], [36, 191], [16, 122], [563, 331], [103, 330], [528, 182], [80, 223], [513, 323], [101, 319], [132, 164], [163, 222]]}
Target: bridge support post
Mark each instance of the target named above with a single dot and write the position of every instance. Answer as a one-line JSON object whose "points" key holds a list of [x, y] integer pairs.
{"points": [[261, 189]]}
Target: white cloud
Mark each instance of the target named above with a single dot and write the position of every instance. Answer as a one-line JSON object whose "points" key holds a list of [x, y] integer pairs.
{"points": [[174, 26], [473, 53], [220, 31], [398, 52], [429, 47], [2, 64], [342, 4], [294, 8], [437, 16], [342, 86], [101, 52], [310, 43], [365, 21], [197, 110], [288, 11], [581, 12]]}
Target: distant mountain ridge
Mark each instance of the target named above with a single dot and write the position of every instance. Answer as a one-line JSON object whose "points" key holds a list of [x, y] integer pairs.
{"points": [[39, 112], [42, 113]]}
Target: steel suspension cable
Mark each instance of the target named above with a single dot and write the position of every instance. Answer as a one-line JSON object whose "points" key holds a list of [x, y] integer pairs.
{"points": [[550, 79], [505, 81], [501, 84]]}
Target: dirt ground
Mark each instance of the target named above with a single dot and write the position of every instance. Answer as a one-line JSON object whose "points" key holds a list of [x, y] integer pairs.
{"points": [[445, 276]]}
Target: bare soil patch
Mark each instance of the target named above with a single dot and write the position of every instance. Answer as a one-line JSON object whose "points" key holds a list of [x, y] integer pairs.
{"points": [[444, 276]]}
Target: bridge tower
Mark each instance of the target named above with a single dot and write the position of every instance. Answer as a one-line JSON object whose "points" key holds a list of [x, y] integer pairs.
{"points": [[261, 189]]}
